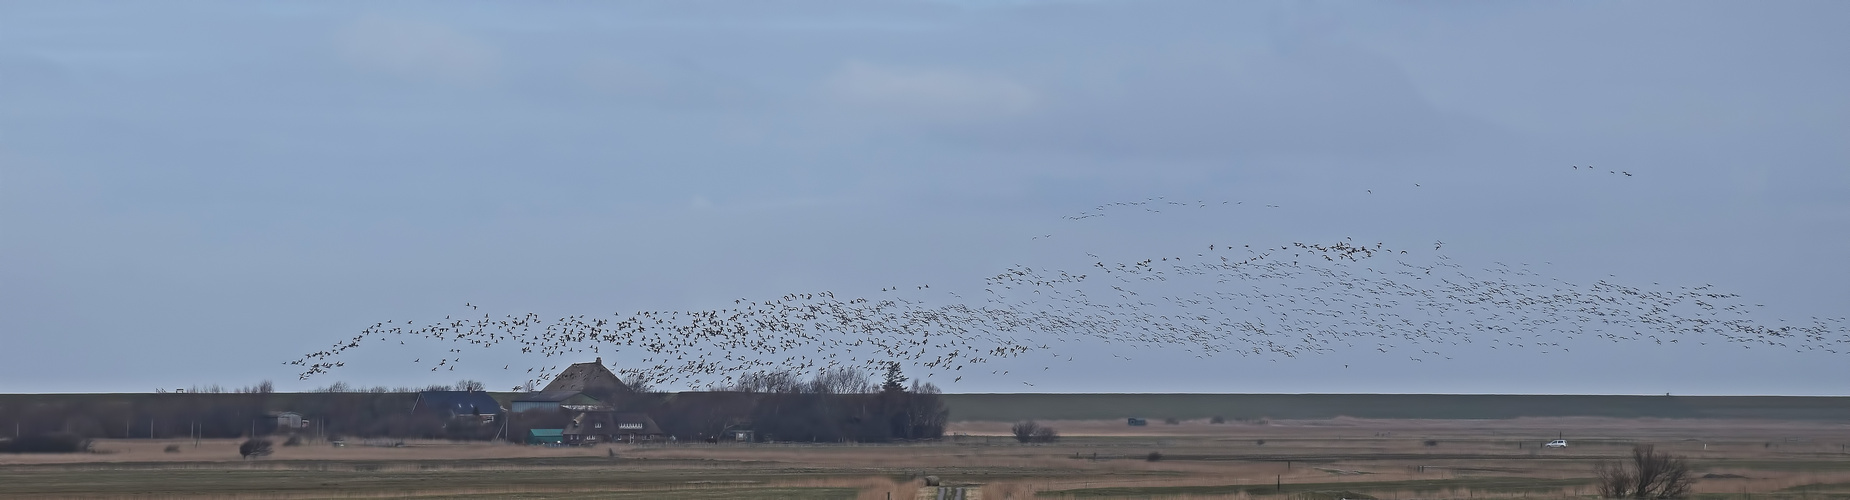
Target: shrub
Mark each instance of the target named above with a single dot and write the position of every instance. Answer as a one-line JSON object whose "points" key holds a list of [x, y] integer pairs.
{"points": [[1029, 431], [1172, 421], [1649, 475], [172, 448], [1217, 420], [293, 441], [53, 442], [1024, 430], [1432, 442], [1260, 442], [254, 448], [1154, 456]]}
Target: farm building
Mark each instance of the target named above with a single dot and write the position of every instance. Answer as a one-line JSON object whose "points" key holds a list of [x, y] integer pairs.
{"points": [[581, 387], [283, 422], [555, 401], [740, 433], [591, 395], [458, 404], [589, 378], [591, 427], [546, 436]]}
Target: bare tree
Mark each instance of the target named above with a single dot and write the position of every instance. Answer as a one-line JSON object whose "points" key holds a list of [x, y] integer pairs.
{"points": [[1029, 431], [1024, 430], [1613, 480], [841, 380], [469, 385], [1649, 475], [769, 382], [636, 380]]}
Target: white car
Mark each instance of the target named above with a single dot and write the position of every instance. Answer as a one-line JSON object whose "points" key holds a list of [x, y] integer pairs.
{"points": [[1558, 443]]}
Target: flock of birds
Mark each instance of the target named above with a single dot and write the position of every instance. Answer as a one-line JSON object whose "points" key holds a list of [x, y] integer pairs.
{"points": [[1275, 301]]}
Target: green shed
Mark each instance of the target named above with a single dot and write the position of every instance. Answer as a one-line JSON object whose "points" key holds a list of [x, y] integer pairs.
{"points": [[545, 436]]}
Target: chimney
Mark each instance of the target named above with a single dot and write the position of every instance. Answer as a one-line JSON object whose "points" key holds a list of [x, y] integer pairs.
{"points": [[600, 360]]}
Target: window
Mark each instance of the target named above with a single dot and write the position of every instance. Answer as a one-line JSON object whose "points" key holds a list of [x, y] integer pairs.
{"points": [[598, 425]]}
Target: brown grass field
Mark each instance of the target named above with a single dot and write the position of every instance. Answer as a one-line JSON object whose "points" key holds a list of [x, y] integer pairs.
{"points": [[1280, 459]]}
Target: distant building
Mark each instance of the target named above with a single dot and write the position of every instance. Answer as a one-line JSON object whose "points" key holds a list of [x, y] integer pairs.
{"points": [[555, 401], [591, 379], [581, 387], [740, 433], [287, 419], [592, 427], [1136, 422], [546, 436], [458, 404], [281, 422], [592, 394]]}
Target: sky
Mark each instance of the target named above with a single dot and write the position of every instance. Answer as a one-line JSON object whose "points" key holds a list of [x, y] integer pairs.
{"points": [[196, 192]]}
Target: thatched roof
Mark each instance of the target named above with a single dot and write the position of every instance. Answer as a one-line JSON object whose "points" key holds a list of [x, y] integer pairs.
{"points": [[589, 378], [546, 396]]}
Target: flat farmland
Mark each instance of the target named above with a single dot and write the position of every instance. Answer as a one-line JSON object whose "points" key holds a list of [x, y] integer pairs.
{"points": [[1281, 459], [1103, 406]]}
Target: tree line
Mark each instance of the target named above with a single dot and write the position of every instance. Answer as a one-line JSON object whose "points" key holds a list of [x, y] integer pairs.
{"points": [[829, 406], [835, 405]]}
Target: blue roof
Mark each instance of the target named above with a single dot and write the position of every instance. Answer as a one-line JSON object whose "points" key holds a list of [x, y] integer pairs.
{"points": [[458, 402]]}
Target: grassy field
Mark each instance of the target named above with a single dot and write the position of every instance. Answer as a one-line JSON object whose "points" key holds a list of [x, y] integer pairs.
{"points": [[1009, 407], [1283, 459]]}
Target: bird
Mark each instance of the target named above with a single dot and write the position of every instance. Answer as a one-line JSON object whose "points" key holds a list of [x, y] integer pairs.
{"points": [[1279, 302]]}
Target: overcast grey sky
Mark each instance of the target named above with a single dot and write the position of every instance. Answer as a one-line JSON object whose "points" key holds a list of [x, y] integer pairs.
{"points": [[192, 193]]}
